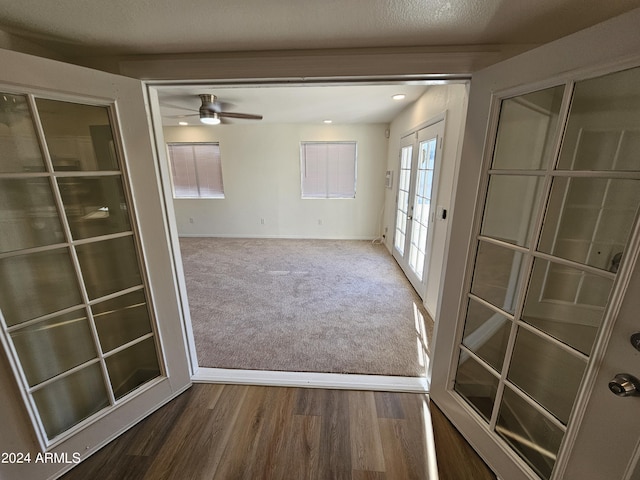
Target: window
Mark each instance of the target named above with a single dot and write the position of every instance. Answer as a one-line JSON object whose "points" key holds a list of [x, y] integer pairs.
{"points": [[328, 169], [196, 170]]}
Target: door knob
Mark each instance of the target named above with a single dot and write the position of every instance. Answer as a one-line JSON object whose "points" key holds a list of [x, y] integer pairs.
{"points": [[625, 385]]}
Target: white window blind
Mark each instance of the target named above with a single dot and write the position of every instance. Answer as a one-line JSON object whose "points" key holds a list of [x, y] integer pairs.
{"points": [[328, 169], [196, 170]]}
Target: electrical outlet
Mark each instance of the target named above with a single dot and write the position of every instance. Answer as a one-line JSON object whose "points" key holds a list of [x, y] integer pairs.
{"points": [[262, 221], [191, 220]]}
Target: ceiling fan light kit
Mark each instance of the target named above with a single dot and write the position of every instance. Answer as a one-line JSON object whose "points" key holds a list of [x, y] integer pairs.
{"points": [[209, 118]]}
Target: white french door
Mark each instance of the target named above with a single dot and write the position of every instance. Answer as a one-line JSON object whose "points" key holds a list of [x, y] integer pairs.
{"points": [[420, 155], [89, 315], [543, 271]]}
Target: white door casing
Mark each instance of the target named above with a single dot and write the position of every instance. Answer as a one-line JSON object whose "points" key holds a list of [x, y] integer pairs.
{"points": [[50, 79], [608, 47]]}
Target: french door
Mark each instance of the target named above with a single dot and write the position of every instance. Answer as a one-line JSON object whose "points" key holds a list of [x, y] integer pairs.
{"points": [[545, 291], [420, 155], [88, 310]]}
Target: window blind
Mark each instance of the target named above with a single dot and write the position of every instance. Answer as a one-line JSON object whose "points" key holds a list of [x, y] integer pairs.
{"points": [[328, 169], [196, 170]]}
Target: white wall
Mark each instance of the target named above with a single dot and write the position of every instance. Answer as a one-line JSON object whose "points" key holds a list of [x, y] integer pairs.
{"points": [[261, 175], [438, 99]]}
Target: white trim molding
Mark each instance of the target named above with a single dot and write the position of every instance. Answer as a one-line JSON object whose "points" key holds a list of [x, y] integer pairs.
{"points": [[336, 381]]}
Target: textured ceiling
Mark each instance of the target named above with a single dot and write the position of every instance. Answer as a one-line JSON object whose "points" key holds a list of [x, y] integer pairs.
{"points": [[112, 28], [116, 27]]}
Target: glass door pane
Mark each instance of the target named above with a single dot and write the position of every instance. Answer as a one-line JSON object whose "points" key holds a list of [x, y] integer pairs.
{"points": [[30, 217], [422, 205], [19, 147], [590, 219], [78, 137], [43, 347], [529, 432], [37, 284], [402, 210], [563, 193], [71, 399], [527, 130], [73, 302]]}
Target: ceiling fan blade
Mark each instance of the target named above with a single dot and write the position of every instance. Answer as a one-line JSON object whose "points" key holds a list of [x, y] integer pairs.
{"points": [[246, 116], [177, 107]]}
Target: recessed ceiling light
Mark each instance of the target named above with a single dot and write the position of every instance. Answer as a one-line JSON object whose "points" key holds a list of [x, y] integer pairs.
{"points": [[183, 123], [328, 121], [399, 96]]}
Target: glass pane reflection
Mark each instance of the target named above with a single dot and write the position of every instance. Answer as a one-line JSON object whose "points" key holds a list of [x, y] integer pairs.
{"points": [[511, 208], [496, 277], [549, 374], [69, 400], [53, 346], [94, 205], [109, 266], [121, 320], [529, 432], [132, 367], [588, 220], [527, 130], [28, 214], [603, 129], [37, 284], [78, 136], [561, 302], [486, 334], [476, 384], [19, 148]]}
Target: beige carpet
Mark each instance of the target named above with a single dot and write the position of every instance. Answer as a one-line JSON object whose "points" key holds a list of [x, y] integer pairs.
{"points": [[303, 305]]}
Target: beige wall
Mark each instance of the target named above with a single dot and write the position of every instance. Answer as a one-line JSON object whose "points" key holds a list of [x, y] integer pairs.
{"points": [[261, 175], [437, 100]]}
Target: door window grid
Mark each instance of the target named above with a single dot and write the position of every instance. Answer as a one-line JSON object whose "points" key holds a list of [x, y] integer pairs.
{"points": [[404, 182], [51, 431], [415, 217], [545, 468], [422, 207]]}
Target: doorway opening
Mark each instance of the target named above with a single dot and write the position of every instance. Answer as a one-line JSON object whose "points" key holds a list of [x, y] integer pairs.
{"points": [[262, 172]]}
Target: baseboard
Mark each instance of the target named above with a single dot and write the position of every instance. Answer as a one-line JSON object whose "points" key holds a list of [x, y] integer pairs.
{"points": [[284, 237], [312, 380]]}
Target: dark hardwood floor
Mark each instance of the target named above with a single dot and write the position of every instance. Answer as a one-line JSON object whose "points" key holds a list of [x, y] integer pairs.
{"points": [[246, 432]]}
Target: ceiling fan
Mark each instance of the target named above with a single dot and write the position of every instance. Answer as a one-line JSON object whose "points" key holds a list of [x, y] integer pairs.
{"points": [[211, 112]]}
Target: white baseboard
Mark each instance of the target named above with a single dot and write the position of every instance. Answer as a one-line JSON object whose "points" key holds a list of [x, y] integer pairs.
{"points": [[312, 380], [284, 237]]}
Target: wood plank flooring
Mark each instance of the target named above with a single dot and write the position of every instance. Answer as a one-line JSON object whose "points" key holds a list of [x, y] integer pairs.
{"points": [[248, 432]]}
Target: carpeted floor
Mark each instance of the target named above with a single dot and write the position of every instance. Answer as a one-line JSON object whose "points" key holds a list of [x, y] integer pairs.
{"points": [[303, 305]]}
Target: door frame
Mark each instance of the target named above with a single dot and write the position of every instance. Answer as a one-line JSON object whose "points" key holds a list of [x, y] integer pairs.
{"points": [[604, 48], [262, 377]]}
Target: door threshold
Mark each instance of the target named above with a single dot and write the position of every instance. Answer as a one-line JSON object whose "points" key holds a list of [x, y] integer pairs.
{"points": [[336, 381]]}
